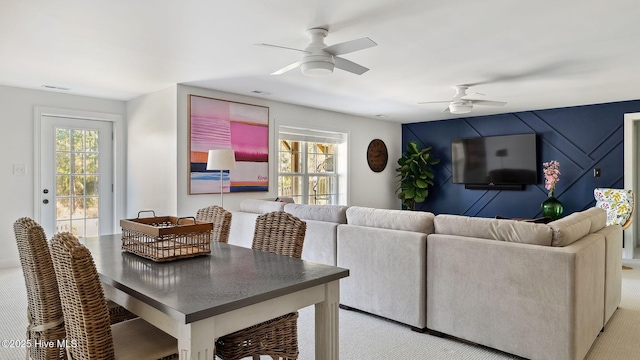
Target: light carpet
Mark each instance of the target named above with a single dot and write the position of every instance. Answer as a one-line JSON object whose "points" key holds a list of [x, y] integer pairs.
{"points": [[364, 336]]}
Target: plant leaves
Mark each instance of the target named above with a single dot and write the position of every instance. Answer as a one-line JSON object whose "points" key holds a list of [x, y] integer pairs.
{"points": [[410, 193], [415, 174], [412, 147]]}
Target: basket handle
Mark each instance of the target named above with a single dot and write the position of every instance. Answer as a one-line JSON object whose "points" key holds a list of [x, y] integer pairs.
{"points": [[185, 217], [154, 213]]}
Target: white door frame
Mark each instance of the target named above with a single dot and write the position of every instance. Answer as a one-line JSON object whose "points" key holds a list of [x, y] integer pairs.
{"points": [[631, 168], [119, 178]]}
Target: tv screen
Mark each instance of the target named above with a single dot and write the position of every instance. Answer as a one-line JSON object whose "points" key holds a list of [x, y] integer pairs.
{"points": [[495, 160]]}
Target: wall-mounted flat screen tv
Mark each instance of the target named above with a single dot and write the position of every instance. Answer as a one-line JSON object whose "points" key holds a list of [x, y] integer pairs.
{"points": [[495, 160]]}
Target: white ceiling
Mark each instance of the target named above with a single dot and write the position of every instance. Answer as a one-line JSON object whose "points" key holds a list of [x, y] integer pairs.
{"points": [[531, 54]]}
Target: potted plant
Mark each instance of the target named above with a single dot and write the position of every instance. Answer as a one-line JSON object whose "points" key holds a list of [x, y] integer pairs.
{"points": [[415, 174]]}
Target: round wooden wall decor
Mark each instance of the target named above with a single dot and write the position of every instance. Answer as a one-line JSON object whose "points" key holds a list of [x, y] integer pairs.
{"points": [[377, 155]]}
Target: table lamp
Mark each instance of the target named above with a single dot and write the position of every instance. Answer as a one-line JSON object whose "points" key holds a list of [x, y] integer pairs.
{"points": [[221, 159]]}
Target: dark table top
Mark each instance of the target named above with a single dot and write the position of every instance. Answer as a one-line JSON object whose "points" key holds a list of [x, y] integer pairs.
{"points": [[192, 289]]}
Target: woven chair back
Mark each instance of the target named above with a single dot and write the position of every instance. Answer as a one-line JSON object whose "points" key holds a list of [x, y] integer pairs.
{"points": [[83, 302], [221, 220], [44, 307], [279, 232]]}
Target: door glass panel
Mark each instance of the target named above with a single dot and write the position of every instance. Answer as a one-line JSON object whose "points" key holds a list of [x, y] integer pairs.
{"points": [[78, 163], [78, 208], [78, 185], [63, 139], [63, 185], [92, 207], [91, 141], [62, 226], [91, 185], [77, 140], [77, 181], [63, 208], [92, 163]]}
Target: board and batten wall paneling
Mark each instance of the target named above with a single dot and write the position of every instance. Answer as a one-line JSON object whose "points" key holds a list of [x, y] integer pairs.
{"points": [[580, 138]]}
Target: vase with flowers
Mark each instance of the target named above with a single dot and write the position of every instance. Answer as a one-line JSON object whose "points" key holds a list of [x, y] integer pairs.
{"points": [[551, 207]]}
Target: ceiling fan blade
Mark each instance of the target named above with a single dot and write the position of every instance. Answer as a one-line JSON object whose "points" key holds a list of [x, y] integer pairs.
{"points": [[350, 66], [350, 46], [286, 68], [281, 47], [446, 109], [488, 102], [434, 102]]}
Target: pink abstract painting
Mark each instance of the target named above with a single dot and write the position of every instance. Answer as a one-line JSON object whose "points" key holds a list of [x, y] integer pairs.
{"points": [[220, 124]]}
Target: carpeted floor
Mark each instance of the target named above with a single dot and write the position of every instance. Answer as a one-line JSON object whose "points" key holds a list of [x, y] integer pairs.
{"points": [[368, 337]]}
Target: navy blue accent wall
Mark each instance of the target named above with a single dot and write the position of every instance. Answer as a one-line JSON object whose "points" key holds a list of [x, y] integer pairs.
{"points": [[580, 138]]}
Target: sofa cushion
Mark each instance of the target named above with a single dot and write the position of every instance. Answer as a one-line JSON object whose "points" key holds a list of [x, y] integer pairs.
{"points": [[258, 206], [575, 226], [418, 221], [328, 213], [494, 229]]}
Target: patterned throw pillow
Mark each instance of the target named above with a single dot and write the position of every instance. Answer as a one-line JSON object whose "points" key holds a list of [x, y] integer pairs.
{"points": [[617, 202]]}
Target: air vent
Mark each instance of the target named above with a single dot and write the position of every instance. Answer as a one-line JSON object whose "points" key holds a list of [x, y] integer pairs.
{"points": [[260, 92], [56, 87]]}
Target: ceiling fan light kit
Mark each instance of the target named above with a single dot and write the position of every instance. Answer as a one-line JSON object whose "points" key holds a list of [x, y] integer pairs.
{"points": [[313, 65], [460, 108]]}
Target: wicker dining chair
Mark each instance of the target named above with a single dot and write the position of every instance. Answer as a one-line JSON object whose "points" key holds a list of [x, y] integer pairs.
{"points": [[221, 220], [44, 311], [39, 276], [281, 233], [86, 316]]}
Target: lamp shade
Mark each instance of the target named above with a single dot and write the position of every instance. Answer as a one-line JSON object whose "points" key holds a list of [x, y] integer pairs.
{"points": [[222, 159]]}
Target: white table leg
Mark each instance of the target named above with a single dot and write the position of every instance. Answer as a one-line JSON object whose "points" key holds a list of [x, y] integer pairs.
{"points": [[327, 337], [196, 341]]}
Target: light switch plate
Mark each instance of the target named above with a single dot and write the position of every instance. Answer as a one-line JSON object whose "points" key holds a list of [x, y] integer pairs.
{"points": [[20, 169]]}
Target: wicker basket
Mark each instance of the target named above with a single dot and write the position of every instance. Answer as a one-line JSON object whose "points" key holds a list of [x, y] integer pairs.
{"points": [[165, 238]]}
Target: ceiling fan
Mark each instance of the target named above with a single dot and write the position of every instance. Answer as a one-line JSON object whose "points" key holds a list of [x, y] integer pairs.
{"points": [[458, 105], [320, 59]]}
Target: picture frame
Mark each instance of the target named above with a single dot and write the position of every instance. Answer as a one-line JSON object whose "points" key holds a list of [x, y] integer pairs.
{"points": [[222, 124]]}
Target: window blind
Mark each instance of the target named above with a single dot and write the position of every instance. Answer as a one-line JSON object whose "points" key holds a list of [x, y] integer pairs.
{"points": [[318, 136]]}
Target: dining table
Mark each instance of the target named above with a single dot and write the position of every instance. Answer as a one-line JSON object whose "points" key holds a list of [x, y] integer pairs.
{"points": [[198, 299]]}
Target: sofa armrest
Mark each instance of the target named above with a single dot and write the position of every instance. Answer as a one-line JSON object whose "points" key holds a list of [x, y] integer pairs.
{"points": [[320, 242], [243, 225], [386, 272], [613, 269], [537, 302]]}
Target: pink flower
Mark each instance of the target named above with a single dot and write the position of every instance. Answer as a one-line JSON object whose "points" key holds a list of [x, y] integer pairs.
{"points": [[551, 174]]}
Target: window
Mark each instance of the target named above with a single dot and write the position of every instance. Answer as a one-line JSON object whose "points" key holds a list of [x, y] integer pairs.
{"points": [[308, 168]]}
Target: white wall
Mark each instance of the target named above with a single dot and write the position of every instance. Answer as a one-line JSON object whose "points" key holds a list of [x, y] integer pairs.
{"points": [[365, 187], [152, 153], [17, 146]]}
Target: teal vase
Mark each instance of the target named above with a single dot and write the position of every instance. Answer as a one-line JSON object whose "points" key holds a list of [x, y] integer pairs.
{"points": [[552, 207]]}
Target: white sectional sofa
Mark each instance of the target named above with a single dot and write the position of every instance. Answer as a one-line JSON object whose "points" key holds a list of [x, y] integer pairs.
{"points": [[320, 242], [534, 290], [539, 291], [386, 254], [322, 226], [243, 222]]}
